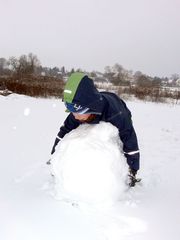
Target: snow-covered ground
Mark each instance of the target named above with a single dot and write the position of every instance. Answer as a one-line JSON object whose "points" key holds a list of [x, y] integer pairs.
{"points": [[28, 209]]}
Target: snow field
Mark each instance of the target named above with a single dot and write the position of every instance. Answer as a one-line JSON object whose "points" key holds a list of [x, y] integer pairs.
{"points": [[28, 209]]}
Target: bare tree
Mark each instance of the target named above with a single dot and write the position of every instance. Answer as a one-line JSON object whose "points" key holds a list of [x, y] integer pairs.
{"points": [[25, 65], [3, 64], [175, 77], [117, 68], [137, 74], [121, 75], [14, 64], [143, 81], [33, 63], [108, 73]]}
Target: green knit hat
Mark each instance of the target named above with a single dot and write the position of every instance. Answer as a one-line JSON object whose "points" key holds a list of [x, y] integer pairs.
{"points": [[71, 86]]}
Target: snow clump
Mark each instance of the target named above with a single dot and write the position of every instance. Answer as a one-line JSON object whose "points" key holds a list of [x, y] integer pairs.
{"points": [[89, 165], [27, 112]]}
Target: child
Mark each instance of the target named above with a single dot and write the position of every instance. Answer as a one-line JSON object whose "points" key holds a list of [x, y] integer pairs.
{"points": [[87, 105]]}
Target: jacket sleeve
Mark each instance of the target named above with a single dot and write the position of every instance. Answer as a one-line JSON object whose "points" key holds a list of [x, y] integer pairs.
{"points": [[69, 124], [128, 137]]}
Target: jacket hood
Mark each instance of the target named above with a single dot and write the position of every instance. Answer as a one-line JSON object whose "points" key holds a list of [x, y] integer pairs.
{"points": [[80, 90]]}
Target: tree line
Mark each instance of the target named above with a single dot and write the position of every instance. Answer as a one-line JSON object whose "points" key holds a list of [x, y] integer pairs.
{"points": [[29, 65], [26, 75]]}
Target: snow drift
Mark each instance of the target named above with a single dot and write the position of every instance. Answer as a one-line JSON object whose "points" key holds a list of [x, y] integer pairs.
{"points": [[88, 165]]}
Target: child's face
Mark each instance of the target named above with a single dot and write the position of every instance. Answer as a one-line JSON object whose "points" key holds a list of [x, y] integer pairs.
{"points": [[81, 117]]}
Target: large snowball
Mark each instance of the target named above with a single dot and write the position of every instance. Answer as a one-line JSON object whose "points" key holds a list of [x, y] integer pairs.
{"points": [[89, 166]]}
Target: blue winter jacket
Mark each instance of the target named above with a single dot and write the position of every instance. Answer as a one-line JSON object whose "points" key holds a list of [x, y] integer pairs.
{"points": [[108, 107]]}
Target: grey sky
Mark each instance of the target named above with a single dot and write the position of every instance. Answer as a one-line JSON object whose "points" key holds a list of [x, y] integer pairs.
{"points": [[139, 34]]}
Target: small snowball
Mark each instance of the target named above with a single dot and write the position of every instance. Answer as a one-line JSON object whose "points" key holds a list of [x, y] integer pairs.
{"points": [[26, 111]]}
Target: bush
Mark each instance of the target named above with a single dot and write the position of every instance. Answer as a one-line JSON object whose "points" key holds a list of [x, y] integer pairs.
{"points": [[155, 94], [35, 87]]}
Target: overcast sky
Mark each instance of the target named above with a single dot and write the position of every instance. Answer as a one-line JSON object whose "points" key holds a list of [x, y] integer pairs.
{"points": [[91, 34]]}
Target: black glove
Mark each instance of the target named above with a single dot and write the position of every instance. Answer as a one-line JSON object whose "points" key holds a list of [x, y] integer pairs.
{"points": [[53, 150], [55, 144], [132, 177]]}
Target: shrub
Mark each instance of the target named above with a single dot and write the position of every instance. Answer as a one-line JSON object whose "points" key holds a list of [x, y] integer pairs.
{"points": [[36, 87]]}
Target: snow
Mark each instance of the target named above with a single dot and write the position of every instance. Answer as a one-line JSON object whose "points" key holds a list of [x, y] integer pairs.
{"points": [[28, 209], [89, 167], [26, 111]]}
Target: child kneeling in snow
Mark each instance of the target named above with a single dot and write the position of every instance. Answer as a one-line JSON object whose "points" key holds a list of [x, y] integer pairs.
{"points": [[87, 105]]}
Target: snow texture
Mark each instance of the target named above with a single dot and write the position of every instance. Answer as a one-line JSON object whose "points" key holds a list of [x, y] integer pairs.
{"points": [[88, 165], [28, 209]]}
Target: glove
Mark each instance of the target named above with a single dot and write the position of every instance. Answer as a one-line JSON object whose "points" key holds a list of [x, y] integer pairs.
{"points": [[48, 162], [55, 144], [132, 177]]}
